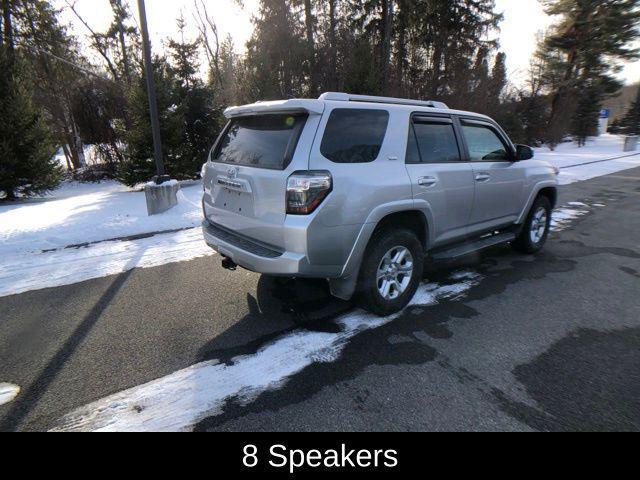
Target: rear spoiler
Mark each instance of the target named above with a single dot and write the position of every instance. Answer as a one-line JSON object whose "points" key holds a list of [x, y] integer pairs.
{"points": [[281, 106]]}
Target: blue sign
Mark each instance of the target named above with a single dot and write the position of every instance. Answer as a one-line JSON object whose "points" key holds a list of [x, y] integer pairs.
{"points": [[604, 113]]}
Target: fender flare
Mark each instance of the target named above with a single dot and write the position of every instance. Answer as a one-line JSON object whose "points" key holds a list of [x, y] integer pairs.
{"points": [[344, 287], [532, 198]]}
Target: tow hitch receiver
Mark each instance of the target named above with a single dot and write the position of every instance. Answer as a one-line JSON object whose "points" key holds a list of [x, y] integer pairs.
{"points": [[229, 264]]}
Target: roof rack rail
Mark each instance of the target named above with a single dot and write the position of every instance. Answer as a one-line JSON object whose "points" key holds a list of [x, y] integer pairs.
{"points": [[347, 97]]}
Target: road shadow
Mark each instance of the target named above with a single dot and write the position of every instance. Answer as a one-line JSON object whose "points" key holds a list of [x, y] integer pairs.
{"points": [[280, 305], [32, 394]]}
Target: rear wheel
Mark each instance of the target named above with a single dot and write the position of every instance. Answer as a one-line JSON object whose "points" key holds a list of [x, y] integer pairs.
{"points": [[391, 272], [536, 228]]}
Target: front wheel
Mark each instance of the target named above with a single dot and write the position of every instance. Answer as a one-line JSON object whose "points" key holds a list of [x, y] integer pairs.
{"points": [[536, 229], [391, 272]]}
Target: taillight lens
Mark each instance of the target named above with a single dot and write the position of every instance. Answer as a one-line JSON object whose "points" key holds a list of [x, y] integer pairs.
{"points": [[307, 190]]}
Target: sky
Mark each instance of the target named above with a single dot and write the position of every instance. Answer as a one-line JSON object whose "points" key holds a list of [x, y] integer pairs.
{"points": [[523, 19]]}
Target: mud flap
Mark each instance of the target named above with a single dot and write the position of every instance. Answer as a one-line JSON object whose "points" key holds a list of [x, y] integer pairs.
{"points": [[343, 288]]}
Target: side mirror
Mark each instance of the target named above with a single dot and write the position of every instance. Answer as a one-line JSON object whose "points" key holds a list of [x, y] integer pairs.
{"points": [[524, 152]]}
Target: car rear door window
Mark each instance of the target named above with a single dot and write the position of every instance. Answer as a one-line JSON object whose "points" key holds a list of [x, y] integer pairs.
{"points": [[484, 144], [433, 141], [265, 141], [354, 135]]}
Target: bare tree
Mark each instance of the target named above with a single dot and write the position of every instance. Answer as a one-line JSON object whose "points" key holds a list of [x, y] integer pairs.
{"points": [[208, 29], [97, 39]]}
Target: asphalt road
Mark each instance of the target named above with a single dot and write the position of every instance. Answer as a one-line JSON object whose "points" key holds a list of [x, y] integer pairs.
{"points": [[550, 342]]}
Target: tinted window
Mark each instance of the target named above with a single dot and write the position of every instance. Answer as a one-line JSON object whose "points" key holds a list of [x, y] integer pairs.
{"points": [[354, 136], [266, 141], [484, 144], [433, 143]]}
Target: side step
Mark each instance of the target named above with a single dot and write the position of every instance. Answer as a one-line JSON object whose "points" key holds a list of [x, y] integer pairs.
{"points": [[461, 250]]}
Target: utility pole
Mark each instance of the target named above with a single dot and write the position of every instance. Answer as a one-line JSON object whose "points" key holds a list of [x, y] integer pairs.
{"points": [[151, 91]]}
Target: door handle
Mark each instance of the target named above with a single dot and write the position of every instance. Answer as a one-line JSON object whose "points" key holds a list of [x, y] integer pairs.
{"points": [[427, 182], [483, 177]]}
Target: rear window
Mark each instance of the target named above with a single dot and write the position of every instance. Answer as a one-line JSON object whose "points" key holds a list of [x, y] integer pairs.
{"points": [[354, 136], [266, 141]]}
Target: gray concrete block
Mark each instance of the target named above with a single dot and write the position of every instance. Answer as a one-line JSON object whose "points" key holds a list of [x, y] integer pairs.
{"points": [[161, 198], [631, 144]]}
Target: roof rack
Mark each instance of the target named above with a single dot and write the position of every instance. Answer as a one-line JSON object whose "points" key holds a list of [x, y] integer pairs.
{"points": [[347, 97]]}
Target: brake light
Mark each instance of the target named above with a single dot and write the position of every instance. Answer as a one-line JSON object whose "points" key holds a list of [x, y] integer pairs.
{"points": [[307, 190]]}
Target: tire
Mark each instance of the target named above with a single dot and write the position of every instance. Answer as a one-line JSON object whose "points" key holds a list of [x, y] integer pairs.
{"points": [[384, 246], [532, 238]]}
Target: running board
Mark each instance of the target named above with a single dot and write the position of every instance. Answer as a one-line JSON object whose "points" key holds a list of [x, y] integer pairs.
{"points": [[468, 248]]}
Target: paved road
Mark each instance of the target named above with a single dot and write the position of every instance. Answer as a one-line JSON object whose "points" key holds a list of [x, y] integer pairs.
{"points": [[542, 343]]}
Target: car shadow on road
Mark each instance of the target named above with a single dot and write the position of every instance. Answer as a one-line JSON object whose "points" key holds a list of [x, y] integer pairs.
{"points": [[279, 305], [283, 305]]}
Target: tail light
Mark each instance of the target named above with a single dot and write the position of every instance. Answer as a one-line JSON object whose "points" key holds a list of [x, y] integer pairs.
{"points": [[307, 190]]}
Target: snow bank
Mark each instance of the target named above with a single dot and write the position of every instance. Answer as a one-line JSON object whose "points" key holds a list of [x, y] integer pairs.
{"points": [[23, 272], [84, 213], [576, 163]]}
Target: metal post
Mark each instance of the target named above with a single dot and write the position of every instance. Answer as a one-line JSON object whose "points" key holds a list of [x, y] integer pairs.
{"points": [[151, 91]]}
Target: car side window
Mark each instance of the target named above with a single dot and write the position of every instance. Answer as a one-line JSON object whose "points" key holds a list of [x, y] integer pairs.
{"points": [[432, 142], [484, 144], [354, 135]]}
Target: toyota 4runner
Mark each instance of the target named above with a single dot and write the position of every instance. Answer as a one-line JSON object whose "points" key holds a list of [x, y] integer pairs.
{"points": [[364, 190]]}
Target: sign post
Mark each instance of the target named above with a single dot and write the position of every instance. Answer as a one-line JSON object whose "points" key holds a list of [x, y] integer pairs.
{"points": [[603, 126]]}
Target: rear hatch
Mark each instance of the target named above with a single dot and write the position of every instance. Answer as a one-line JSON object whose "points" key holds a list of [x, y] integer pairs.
{"points": [[246, 177]]}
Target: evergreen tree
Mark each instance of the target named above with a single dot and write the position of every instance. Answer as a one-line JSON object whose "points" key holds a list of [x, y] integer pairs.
{"points": [[27, 163], [276, 53], [138, 165], [586, 42], [631, 121], [195, 107], [585, 119], [497, 83], [189, 119], [57, 68], [616, 127]]}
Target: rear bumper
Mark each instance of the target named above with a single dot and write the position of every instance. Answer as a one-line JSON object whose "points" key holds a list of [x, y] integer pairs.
{"points": [[261, 258]]}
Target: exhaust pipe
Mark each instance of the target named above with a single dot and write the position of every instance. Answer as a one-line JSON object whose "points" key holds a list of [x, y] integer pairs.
{"points": [[229, 264]]}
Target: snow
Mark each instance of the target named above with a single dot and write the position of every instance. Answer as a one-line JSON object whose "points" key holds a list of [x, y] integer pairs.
{"points": [[180, 400], [23, 272], [563, 217], [8, 392], [576, 164], [84, 213]]}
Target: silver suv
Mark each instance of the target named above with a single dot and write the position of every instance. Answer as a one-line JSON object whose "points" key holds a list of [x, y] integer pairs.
{"points": [[363, 190]]}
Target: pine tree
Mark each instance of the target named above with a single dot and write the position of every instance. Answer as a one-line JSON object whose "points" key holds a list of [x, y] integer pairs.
{"points": [[139, 165], [189, 120], [585, 119], [588, 40], [498, 80], [631, 121], [195, 107], [53, 57], [27, 163], [276, 53]]}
